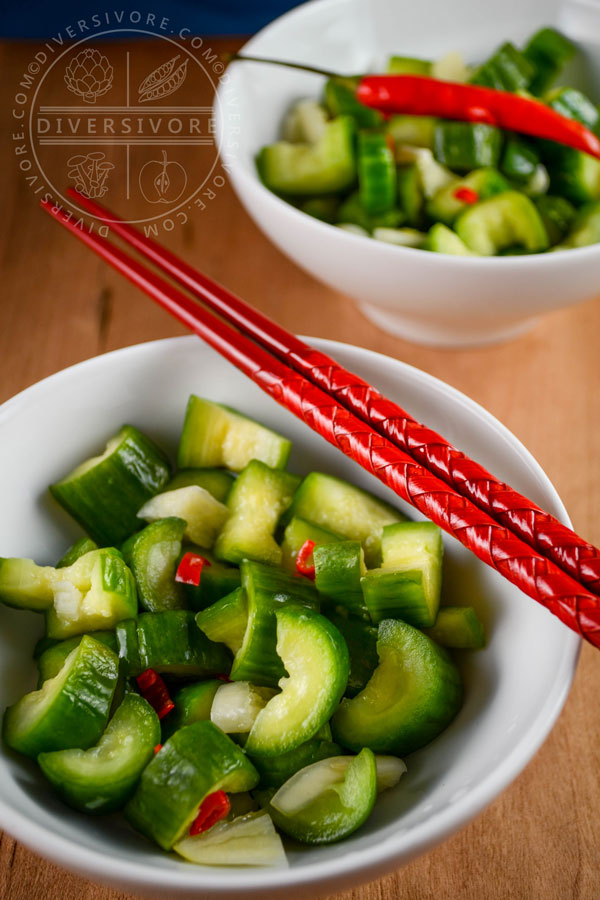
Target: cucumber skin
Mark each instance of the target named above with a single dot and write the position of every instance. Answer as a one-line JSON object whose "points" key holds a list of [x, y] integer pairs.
{"points": [[106, 505], [192, 704], [361, 641], [338, 572], [464, 146], [225, 621], [275, 770], [431, 697], [196, 761], [78, 714], [217, 482], [470, 225], [397, 595], [80, 548], [172, 644], [297, 532], [457, 627], [99, 794], [139, 554], [52, 659]]}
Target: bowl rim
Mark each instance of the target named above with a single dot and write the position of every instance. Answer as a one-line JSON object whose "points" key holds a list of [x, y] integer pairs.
{"points": [[384, 249], [362, 863]]}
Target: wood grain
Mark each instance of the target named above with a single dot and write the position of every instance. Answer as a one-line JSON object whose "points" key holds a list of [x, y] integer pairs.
{"points": [[59, 305]]}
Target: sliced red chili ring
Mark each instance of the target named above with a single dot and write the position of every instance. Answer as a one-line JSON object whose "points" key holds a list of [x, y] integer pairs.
{"points": [[304, 561], [466, 194], [212, 809], [154, 690], [190, 568]]}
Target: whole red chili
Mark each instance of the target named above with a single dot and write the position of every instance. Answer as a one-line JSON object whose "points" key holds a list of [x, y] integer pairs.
{"points": [[212, 809], [304, 561]]}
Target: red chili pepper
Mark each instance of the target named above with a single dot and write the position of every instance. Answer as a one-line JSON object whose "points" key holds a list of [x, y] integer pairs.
{"points": [[419, 95], [157, 749], [223, 677], [302, 560], [212, 809], [466, 194], [190, 568], [154, 690]]}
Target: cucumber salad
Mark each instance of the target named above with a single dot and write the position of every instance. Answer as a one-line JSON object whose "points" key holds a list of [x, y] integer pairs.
{"points": [[233, 653], [444, 186]]}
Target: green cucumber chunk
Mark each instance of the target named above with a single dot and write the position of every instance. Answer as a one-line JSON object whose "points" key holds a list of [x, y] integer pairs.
{"points": [[574, 175], [275, 770], [193, 703], [339, 568], [573, 104], [346, 510], [457, 627], [339, 97], [247, 840], [102, 779], [352, 212], [547, 50], [94, 594], [413, 695], [414, 130], [172, 644], [585, 228], [445, 205], [400, 237], [408, 65], [325, 167], [216, 435], [410, 195], [257, 500], [316, 659], [505, 220], [128, 648], [441, 239], [557, 215], [25, 585], [376, 173], [297, 532], [305, 122], [267, 589], [519, 160], [80, 548], [52, 659], [105, 492], [70, 710], [324, 803], [506, 70], [196, 761], [216, 481], [361, 641], [236, 706], [216, 581], [202, 514], [226, 620], [323, 208], [152, 556], [409, 582], [463, 146]]}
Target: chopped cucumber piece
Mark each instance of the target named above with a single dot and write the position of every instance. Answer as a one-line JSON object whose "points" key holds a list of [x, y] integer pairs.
{"points": [[319, 807], [103, 778], [216, 435], [538, 183], [557, 215], [152, 556], [340, 99], [267, 589], [321, 168], [193, 703], [226, 620], [172, 644], [258, 499], [52, 659], [71, 709], [547, 50], [323, 208], [458, 627], [316, 659], [441, 239], [249, 840], [80, 548], [236, 706], [400, 237], [196, 761], [463, 146], [361, 640], [376, 173], [574, 175], [408, 65], [585, 228], [104, 493], [339, 568], [415, 130], [519, 160], [408, 584], [216, 481], [296, 534], [275, 770], [353, 229], [446, 204], [505, 220], [413, 695], [305, 123], [216, 581], [507, 70], [451, 67], [574, 105], [346, 510], [410, 194], [204, 516], [352, 213], [25, 585], [432, 175]]}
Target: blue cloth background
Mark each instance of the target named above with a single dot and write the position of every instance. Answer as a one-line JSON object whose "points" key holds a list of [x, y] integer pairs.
{"points": [[42, 19]]}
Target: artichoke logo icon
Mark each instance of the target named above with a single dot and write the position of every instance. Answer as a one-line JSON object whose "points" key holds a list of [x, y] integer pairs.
{"points": [[89, 75]]}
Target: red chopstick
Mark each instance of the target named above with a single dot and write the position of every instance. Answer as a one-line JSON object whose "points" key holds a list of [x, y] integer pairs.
{"points": [[516, 512], [491, 542]]}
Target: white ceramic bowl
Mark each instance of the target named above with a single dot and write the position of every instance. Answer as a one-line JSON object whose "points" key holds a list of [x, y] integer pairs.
{"points": [[426, 297], [515, 688]]}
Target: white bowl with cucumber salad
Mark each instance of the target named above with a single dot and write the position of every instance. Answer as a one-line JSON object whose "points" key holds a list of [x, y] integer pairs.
{"points": [[514, 687], [428, 297]]}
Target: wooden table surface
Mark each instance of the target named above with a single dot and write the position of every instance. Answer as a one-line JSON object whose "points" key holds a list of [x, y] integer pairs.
{"points": [[60, 304]]}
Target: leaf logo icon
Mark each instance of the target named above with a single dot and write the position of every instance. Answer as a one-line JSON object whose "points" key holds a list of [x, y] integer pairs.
{"points": [[164, 80]]}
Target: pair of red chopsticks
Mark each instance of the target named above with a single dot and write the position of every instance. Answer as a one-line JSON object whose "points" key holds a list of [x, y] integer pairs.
{"points": [[529, 547]]}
